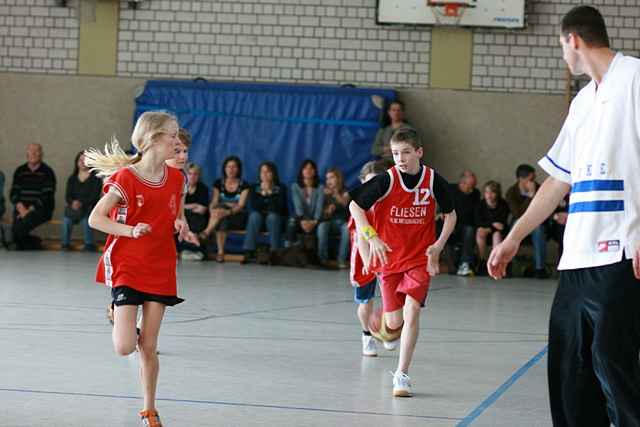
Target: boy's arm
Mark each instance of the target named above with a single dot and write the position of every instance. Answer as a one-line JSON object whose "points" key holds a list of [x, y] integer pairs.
{"points": [[433, 251], [377, 248], [363, 250]]}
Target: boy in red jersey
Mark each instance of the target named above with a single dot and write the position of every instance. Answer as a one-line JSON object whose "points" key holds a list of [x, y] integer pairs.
{"points": [[189, 248], [402, 240], [140, 212], [364, 283]]}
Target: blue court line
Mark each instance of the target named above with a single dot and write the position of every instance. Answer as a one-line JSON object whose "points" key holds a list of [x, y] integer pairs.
{"points": [[466, 421], [222, 403]]}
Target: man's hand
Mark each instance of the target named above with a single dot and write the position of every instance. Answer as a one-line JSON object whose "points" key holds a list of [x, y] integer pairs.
{"points": [[500, 257], [22, 210], [76, 205], [531, 188], [308, 225], [561, 218]]}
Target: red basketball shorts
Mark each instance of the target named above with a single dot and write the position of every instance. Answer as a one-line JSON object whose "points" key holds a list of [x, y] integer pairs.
{"points": [[395, 287]]}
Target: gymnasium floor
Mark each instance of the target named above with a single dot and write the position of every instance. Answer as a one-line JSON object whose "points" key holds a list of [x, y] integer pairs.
{"points": [[267, 346]]}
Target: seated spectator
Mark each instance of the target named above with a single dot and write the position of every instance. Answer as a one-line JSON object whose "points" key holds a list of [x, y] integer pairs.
{"points": [[466, 199], [227, 209], [32, 194], [518, 198], [267, 210], [81, 195], [558, 223], [491, 219], [2, 205], [393, 120], [308, 198], [335, 213], [190, 248], [196, 212]]}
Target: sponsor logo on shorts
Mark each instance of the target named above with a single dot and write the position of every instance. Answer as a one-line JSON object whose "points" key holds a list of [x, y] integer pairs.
{"points": [[121, 297], [609, 246]]}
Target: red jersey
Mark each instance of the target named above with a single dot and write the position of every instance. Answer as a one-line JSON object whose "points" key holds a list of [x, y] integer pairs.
{"points": [[148, 263], [358, 278], [405, 221]]}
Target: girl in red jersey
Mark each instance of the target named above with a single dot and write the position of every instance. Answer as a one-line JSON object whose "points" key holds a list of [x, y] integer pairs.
{"points": [[402, 241], [140, 212]]}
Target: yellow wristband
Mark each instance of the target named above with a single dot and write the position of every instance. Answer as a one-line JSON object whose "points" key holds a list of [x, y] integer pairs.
{"points": [[369, 232]]}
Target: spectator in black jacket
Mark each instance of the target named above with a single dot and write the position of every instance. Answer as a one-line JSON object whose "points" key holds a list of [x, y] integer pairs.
{"points": [[466, 198], [268, 209], [82, 194], [32, 194], [518, 197], [491, 219]]}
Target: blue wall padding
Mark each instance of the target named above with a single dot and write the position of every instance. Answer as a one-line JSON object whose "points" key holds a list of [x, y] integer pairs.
{"points": [[286, 124]]}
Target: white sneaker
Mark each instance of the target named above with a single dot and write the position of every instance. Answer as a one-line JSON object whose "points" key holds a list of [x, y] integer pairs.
{"points": [[464, 270], [401, 385], [369, 346], [391, 345], [191, 256]]}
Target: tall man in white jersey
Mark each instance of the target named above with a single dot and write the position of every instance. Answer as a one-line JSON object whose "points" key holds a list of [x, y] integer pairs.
{"points": [[594, 330]]}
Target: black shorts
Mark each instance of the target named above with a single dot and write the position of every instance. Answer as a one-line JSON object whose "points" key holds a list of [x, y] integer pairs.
{"points": [[124, 295]]}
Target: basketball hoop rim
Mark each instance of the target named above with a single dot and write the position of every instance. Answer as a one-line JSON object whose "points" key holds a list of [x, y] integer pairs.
{"points": [[450, 10]]}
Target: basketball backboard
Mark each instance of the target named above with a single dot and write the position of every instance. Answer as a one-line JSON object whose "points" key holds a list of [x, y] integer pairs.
{"points": [[469, 13]]}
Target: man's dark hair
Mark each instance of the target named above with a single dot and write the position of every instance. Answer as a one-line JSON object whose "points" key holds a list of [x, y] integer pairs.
{"points": [[588, 23], [524, 170]]}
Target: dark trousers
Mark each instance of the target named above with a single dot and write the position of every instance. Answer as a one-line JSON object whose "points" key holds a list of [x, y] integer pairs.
{"points": [[594, 339], [465, 237], [22, 227]]}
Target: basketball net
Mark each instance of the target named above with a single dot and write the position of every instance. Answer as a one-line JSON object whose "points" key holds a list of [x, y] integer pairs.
{"points": [[446, 13]]}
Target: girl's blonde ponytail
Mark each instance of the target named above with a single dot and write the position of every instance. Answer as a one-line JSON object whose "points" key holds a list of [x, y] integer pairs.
{"points": [[111, 160]]}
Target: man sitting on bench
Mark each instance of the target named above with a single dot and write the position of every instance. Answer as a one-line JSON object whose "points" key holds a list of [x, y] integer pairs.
{"points": [[32, 194]]}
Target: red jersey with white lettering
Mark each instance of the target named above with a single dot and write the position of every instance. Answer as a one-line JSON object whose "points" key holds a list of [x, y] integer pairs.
{"points": [[358, 278], [148, 263], [405, 220]]}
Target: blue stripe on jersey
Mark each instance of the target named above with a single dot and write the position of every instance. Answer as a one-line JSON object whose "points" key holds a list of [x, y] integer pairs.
{"points": [[568, 172], [598, 185], [597, 206]]}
